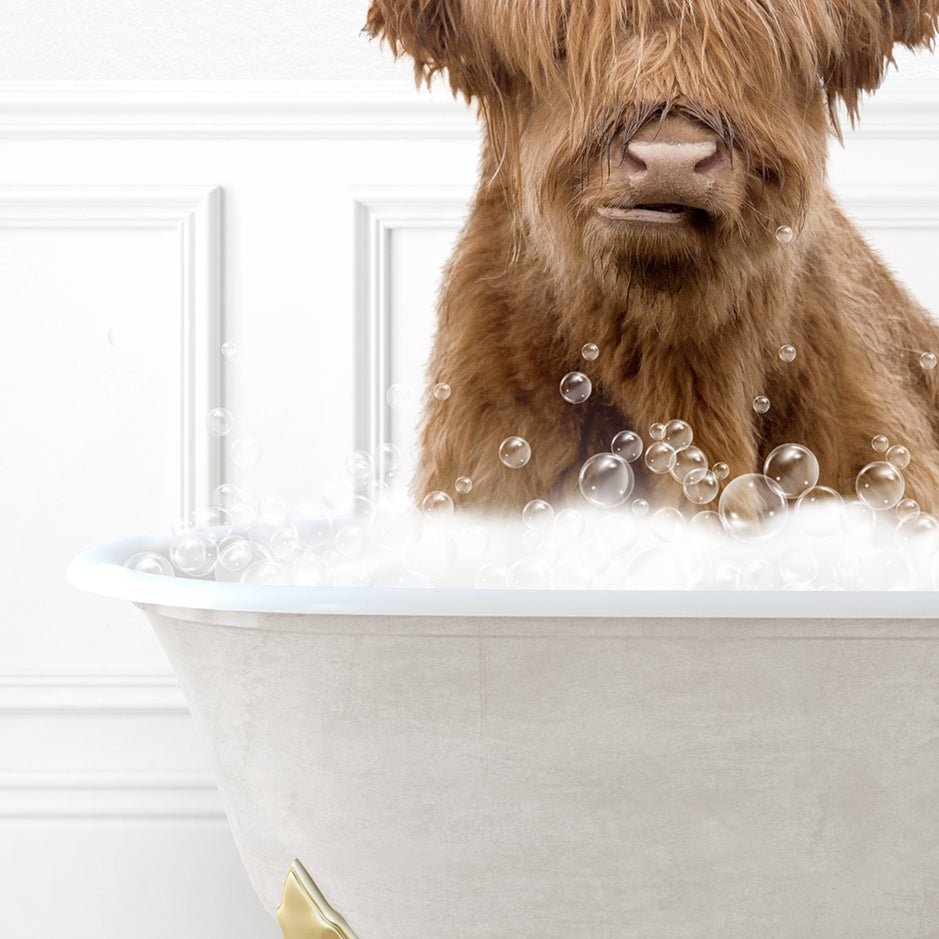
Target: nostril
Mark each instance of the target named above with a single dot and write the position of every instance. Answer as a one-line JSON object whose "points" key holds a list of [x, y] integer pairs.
{"points": [[712, 164]]}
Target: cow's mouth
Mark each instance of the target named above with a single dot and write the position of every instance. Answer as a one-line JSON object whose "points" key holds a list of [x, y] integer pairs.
{"points": [[656, 212]]}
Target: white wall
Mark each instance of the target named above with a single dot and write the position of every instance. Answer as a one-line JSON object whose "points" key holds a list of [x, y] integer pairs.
{"points": [[175, 174]]}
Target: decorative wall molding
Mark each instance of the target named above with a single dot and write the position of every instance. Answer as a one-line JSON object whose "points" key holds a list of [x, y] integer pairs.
{"points": [[892, 207], [122, 795], [85, 693], [239, 109], [379, 214], [95, 797], [907, 107], [194, 213]]}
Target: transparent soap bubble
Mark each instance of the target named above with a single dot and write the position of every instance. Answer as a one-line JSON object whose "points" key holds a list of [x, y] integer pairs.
{"points": [[907, 508], [514, 452], [463, 485], [787, 352], [721, 470], [898, 456], [927, 361], [784, 234], [219, 422], [660, 457], [606, 480], [400, 397], [576, 387], [819, 511], [358, 468], [880, 485], [687, 461], [235, 554], [590, 351], [657, 431], [628, 445], [793, 468], [668, 524], [761, 404], [267, 573], [214, 517], [231, 351], [150, 562], [192, 554], [701, 486], [752, 508], [880, 443], [437, 505], [538, 515], [228, 495], [707, 528], [857, 519], [387, 458], [678, 435], [919, 532], [569, 525], [640, 508], [441, 391], [246, 451]]}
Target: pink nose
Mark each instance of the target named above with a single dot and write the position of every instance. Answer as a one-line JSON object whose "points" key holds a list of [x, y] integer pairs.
{"points": [[673, 161]]}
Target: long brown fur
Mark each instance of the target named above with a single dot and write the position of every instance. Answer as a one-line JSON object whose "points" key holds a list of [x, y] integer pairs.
{"points": [[687, 327]]}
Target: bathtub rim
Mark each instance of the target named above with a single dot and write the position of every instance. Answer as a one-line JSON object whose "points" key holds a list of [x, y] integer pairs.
{"points": [[100, 570]]}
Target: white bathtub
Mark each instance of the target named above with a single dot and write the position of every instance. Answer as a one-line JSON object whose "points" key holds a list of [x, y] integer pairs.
{"points": [[550, 764]]}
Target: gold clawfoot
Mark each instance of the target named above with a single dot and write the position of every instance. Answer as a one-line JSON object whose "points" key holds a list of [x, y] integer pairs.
{"points": [[304, 913]]}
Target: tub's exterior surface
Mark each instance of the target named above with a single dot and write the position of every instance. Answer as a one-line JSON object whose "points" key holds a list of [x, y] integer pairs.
{"points": [[698, 765], [543, 777]]}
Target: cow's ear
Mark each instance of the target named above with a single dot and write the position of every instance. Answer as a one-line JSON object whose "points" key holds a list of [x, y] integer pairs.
{"points": [[436, 36], [866, 32]]}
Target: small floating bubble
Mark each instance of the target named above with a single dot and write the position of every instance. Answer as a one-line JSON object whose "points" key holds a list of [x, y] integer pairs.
{"points": [[245, 451], [437, 504], [707, 527], [441, 391], [606, 480], [700, 486], [590, 351], [657, 431], [687, 460], [463, 485], [819, 510], [640, 508], [387, 458], [784, 234], [787, 352], [219, 422], [920, 531], [576, 387], [538, 514], [793, 468], [628, 445], [400, 397], [228, 495], [898, 456], [880, 485], [721, 470], [907, 508], [235, 554], [927, 361], [149, 562], [231, 351], [192, 554], [660, 457], [668, 524], [678, 435], [514, 452], [880, 443], [761, 404], [752, 508], [358, 467]]}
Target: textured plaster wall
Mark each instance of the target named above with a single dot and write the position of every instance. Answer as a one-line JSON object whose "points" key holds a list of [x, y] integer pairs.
{"points": [[135, 40]]}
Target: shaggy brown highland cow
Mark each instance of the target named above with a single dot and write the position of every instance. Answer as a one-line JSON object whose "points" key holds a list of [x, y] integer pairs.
{"points": [[639, 159]]}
